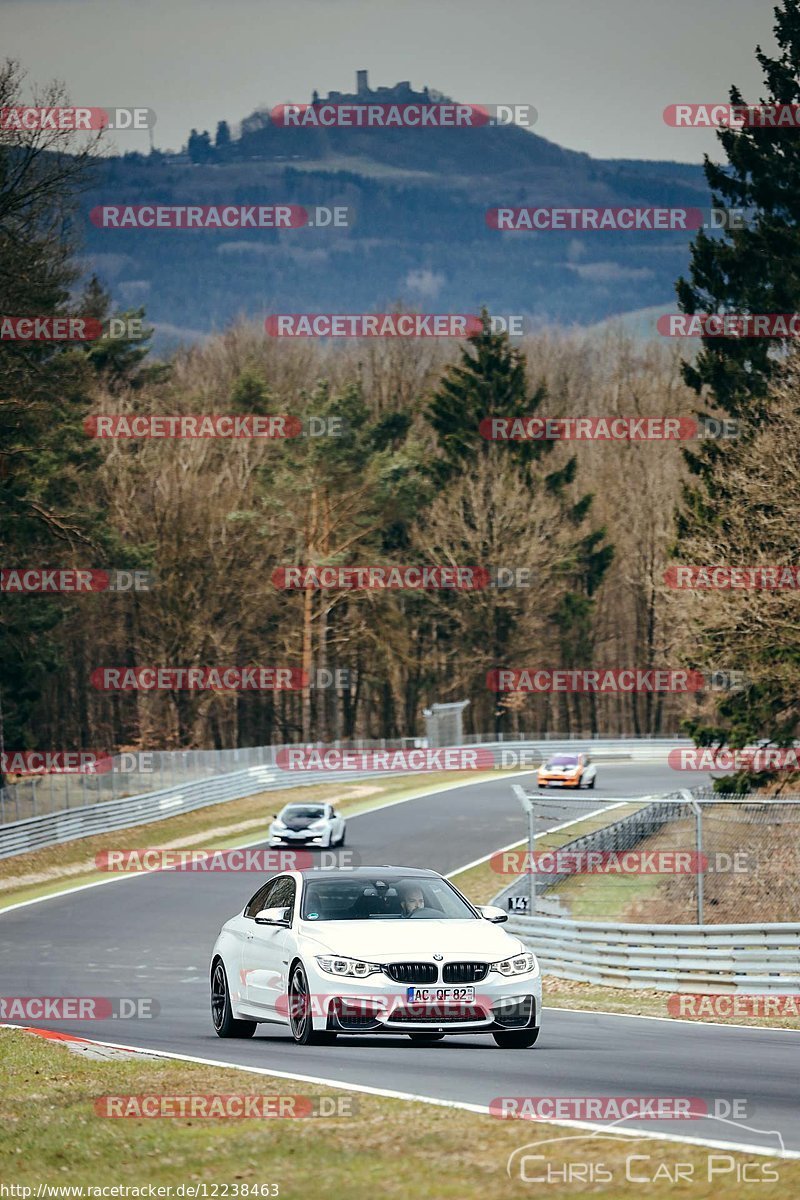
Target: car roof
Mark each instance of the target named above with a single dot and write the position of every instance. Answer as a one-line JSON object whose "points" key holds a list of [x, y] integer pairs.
{"points": [[381, 869]]}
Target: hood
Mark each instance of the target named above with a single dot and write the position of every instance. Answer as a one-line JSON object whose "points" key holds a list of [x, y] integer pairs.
{"points": [[410, 940], [301, 822]]}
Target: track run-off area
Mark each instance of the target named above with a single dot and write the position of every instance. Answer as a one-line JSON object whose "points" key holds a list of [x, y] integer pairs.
{"points": [[151, 934]]}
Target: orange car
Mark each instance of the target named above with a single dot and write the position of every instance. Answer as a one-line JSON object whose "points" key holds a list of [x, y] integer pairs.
{"points": [[567, 770]]}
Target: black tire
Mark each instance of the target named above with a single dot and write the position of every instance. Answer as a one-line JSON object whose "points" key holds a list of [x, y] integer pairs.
{"points": [[422, 1036], [225, 1023], [515, 1039], [591, 785], [301, 1025]]}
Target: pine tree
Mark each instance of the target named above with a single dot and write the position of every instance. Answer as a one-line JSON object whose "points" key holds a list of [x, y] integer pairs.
{"points": [[118, 359], [48, 513], [199, 146], [754, 268], [490, 380]]}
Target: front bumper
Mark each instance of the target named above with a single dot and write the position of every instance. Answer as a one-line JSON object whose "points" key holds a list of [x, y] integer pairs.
{"points": [[572, 781], [299, 839], [347, 1016], [379, 1005]]}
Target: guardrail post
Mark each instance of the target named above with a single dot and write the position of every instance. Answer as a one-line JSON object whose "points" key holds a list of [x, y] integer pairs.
{"points": [[527, 803], [698, 824]]}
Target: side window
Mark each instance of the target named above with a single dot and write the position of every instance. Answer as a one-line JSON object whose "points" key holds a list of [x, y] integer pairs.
{"points": [[262, 898], [283, 894]]}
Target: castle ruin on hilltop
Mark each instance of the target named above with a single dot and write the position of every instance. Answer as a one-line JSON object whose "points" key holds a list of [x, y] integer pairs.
{"points": [[401, 93]]}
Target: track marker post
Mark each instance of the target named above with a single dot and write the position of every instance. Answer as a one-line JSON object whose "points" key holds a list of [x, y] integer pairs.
{"points": [[529, 807]]}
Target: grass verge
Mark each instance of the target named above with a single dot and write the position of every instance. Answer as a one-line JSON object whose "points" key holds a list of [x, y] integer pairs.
{"points": [[220, 826], [482, 883], [637, 1002], [390, 1148]]}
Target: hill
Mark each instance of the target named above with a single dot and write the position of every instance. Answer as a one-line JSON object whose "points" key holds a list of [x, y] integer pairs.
{"points": [[419, 233]]}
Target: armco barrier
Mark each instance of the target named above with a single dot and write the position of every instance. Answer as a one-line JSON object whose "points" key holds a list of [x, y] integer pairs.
{"points": [[618, 836], [675, 958], [34, 833], [133, 774], [68, 823]]}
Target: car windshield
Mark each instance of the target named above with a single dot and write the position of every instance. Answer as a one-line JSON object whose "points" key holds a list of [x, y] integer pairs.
{"points": [[304, 811], [377, 899], [563, 760]]}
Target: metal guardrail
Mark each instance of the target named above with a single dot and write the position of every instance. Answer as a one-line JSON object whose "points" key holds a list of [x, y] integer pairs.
{"points": [[50, 829], [675, 958], [618, 836], [67, 822], [587, 736], [720, 958], [135, 773]]}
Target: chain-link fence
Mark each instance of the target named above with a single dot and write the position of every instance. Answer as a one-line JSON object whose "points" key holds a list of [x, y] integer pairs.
{"points": [[126, 774], [694, 857], [136, 773]]}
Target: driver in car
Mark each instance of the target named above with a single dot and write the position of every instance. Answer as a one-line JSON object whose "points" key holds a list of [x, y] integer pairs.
{"points": [[411, 900]]}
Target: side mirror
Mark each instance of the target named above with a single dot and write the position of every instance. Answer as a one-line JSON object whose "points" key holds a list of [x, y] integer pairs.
{"points": [[274, 916], [490, 912]]}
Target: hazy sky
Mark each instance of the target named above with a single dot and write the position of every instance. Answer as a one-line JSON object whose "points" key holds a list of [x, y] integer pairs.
{"points": [[599, 72]]}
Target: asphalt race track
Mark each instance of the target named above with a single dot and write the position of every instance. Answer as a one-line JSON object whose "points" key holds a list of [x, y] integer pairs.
{"points": [[151, 935]]}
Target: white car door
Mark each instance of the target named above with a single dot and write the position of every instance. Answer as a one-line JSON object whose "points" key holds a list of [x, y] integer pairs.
{"points": [[266, 955], [337, 826]]}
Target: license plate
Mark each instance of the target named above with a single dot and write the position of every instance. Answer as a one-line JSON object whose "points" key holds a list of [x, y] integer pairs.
{"points": [[435, 995]]}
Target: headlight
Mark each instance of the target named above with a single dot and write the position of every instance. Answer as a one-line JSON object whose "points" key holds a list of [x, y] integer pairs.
{"points": [[355, 968], [318, 824], [520, 964], [276, 824]]}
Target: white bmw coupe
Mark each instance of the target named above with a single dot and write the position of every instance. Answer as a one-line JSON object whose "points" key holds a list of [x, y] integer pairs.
{"points": [[374, 950]]}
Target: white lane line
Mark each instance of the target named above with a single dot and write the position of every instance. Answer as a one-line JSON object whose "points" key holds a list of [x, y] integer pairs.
{"points": [[551, 829], [70, 891], [601, 1012], [481, 1109], [364, 812], [463, 1105], [449, 787]]}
